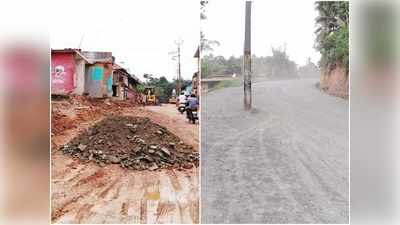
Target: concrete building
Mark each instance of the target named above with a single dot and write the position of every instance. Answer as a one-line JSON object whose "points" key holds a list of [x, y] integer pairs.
{"points": [[124, 84], [98, 74], [68, 71], [81, 73], [91, 73]]}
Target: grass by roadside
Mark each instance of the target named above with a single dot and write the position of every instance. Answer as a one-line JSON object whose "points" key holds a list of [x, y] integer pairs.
{"points": [[225, 84]]}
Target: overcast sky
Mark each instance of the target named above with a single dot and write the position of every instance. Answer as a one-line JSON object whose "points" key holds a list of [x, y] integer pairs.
{"points": [[142, 33], [274, 23], [138, 33]]}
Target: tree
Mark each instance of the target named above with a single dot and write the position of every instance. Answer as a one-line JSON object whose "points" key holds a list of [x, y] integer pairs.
{"points": [[206, 45], [163, 88], [276, 66], [203, 4], [149, 78], [282, 66], [332, 34], [309, 69]]}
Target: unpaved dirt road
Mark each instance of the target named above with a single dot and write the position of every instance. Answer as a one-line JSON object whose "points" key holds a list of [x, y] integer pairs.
{"points": [[286, 161], [87, 193], [172, 115]]}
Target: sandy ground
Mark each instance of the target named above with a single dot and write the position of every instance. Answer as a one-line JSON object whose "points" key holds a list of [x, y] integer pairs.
{"points": [[286, 161], [189, 133], [87, 193]]}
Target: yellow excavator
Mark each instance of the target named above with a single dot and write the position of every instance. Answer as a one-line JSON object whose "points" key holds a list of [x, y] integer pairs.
{"points": [[150, 93]]}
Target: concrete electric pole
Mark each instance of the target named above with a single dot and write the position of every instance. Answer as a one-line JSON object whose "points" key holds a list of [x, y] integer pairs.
{"points": [[179, 43], [247, 58]]}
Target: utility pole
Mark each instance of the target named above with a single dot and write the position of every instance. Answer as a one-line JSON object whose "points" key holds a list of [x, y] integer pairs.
{"points": [[247, 58], [179, 68], [179, 43]]}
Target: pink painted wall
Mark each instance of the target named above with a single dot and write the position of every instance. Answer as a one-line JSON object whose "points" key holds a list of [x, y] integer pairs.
{"points": [[62, 73]]}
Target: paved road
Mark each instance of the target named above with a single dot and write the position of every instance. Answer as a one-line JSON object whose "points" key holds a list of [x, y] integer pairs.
{"points": [[286, 161]]}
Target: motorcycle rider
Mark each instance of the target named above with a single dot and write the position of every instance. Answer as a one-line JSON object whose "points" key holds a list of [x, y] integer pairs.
{"points": [[182, 98], [192, 105]]}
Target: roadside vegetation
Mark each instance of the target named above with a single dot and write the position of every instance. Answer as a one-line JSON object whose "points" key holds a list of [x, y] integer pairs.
{"points": [[276, 66], [332, 34], [163, 87], [224, 84]]}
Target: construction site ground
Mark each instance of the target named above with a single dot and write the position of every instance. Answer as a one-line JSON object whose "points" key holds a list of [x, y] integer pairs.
{"points": [[87, 193]]}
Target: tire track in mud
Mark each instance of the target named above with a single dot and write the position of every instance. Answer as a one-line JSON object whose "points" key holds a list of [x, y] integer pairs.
{"points": [[141, 200], [121, 196]]}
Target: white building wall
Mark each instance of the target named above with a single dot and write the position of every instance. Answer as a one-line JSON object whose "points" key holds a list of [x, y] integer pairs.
{"points": [[79, 77]]}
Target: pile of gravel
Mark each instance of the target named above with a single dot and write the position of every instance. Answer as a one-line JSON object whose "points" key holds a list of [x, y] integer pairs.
{"points": [[133, 143]]}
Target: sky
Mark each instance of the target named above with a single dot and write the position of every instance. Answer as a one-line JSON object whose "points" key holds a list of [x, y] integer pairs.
{"points": [[140, 34], [274, 23]]}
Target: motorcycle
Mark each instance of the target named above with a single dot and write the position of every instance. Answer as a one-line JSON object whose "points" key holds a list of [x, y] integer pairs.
{"points": [[181, 107], [192, 115]]}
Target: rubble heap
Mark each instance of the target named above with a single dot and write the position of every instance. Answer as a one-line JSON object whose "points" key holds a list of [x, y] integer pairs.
{"points": [[133, 143]]}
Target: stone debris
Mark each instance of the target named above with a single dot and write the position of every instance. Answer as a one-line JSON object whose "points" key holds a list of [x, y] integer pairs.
{"points": [[81, 147], [152, 147], [165, 150]]}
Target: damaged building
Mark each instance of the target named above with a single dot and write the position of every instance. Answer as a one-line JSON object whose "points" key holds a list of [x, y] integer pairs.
{"points": [[90, 73], [125, 84]]}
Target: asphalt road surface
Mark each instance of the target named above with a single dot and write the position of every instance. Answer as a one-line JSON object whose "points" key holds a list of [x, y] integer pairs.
{"points": [[286, 161]]}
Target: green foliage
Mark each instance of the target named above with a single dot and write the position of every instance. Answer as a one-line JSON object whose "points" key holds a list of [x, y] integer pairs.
{"points": [[206, 45], [160, 92], [203, 4], [276, 66], [225, 84], [140, 88], [163, 88], [161, 85], [332, 39], [218, 65]]}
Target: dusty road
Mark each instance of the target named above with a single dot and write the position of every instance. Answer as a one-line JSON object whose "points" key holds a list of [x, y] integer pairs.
{"points": [[87, 193], [286, 161], [189, 133]]}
